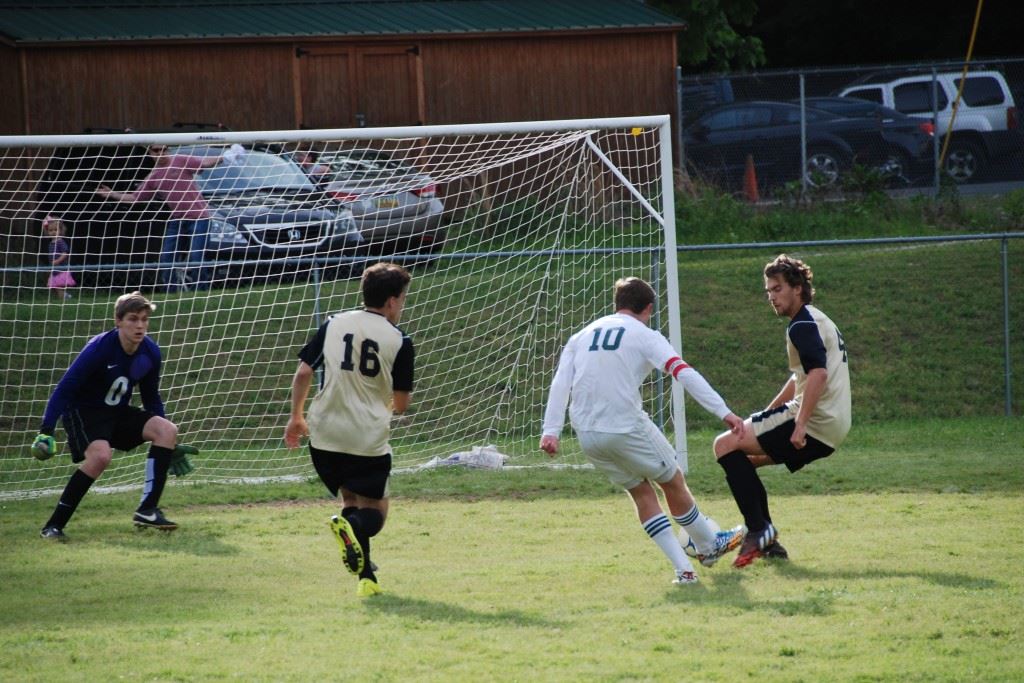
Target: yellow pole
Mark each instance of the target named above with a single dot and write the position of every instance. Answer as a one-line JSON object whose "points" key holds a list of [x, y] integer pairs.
{"points": [[960, 89]]}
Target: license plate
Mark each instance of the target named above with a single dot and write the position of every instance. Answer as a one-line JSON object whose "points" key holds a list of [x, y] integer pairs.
{"points": [[386, 202]]}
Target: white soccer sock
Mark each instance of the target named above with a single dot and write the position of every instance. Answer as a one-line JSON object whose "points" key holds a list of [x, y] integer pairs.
{"points": [[660, 530], [696, 524]]}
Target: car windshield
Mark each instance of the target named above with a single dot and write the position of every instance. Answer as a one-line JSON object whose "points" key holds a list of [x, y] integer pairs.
{"points": [[254, 171], [365, 165]]}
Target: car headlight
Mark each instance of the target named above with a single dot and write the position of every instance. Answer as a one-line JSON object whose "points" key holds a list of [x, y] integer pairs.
{"points": [[225, 233]]}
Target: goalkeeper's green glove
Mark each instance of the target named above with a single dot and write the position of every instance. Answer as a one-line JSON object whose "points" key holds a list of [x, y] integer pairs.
{"points": [[180, 464], [44, 447]]}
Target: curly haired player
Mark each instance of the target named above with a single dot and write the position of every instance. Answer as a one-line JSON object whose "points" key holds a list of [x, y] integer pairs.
{"points": [[807, 420]]}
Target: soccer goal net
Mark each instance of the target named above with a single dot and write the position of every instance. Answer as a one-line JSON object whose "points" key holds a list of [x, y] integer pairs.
{"points": [[514, 234]]}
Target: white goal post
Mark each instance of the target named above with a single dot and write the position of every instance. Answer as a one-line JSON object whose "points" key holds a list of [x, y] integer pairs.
{"points": [[514, 234]]}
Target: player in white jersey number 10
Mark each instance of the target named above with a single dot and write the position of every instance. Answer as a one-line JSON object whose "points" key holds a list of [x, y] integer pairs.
{"points": [[598, 377]]}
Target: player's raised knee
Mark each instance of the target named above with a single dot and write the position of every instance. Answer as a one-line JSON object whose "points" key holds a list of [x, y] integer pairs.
{"points": [[725, 442], [161, 431]]}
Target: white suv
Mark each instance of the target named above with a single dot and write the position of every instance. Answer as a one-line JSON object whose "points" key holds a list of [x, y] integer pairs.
{"points": [[986, 126]]}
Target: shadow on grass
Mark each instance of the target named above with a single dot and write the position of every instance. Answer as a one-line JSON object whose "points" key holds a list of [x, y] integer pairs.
{"points": [[431, 610], [190, 542], [729, 588], [945, 579]]}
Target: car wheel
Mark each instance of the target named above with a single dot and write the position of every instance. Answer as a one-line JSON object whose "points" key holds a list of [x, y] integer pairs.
{"points": [[964, 161], [824, 167]]}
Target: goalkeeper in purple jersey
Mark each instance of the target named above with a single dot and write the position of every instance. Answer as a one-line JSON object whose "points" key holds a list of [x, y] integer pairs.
{"points": [[92, 400]]}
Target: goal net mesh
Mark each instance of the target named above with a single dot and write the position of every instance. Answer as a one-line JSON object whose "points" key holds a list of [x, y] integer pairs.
{"points": [[514, 241]]}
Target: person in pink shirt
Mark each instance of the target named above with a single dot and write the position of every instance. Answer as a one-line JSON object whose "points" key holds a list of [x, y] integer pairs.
{"points": [[60, 279], [173, 181]]}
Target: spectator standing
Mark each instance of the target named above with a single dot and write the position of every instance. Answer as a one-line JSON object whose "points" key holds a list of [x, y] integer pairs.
{"points": [[173, 180], [59, 253]]}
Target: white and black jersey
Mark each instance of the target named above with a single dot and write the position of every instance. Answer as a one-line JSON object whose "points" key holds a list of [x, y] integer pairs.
{"points": [[365, 359], [814, 341], [602, 367]]}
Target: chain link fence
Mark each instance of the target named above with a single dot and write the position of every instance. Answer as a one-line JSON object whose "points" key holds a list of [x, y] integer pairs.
{"points": [[900, 126]]}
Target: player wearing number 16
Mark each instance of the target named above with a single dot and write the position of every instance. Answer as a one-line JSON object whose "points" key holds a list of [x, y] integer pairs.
{"points": [[92, 400], [367, 373]]}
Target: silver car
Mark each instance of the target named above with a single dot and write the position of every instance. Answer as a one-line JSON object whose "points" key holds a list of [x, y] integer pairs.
{"points": [[395, 205]]}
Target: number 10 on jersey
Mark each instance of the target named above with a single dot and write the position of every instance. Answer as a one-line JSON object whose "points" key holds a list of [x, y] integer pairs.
{"points": [[611, 339]]}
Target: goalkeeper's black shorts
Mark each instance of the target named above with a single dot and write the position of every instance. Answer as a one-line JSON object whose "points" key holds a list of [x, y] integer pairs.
{"points": [[120, 427], [365, 475]]}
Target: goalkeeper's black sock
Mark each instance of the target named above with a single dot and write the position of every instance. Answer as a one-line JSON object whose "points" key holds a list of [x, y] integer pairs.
{"points": [[157, 464], [346, 512], [73, 493], [747, 489]]}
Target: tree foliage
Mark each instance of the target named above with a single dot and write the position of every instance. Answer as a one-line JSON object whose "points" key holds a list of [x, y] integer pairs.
{"points": [[711, 41]]}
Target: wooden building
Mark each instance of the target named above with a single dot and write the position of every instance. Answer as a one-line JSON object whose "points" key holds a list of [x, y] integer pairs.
{"points": [[68, 65]]}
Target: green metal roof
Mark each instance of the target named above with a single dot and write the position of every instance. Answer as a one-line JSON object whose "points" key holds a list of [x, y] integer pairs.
{"points": [[49, 21]]}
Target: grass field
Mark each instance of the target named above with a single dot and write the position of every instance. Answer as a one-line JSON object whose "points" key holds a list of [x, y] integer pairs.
{"points": [[907, 548], [923, 324]]}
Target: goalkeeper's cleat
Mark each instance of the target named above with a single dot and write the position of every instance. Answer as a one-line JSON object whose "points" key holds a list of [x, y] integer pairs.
{"points": [[754, 544], [775, 551], [725, 542], [684, 578], [154, 519], [351, 550], [53, 533], [44, 447], [368, 588]]}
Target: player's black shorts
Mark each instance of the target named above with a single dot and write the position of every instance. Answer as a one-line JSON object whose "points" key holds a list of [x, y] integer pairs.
{"points": [[775, 440], [120, 427], [360, 474]]}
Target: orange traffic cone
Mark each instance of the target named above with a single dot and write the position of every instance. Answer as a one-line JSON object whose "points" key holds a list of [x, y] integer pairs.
{"points": [[750, 181]]}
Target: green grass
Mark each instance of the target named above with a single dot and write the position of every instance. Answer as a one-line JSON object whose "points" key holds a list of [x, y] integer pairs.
{"points": [[906, 544], [923, 325]]}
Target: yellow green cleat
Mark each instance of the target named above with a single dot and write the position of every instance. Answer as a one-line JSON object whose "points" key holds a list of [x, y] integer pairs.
{"points": [[368, 588], [351, 550]]}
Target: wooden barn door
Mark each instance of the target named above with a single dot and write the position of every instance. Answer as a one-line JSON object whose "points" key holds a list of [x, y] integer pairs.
{"points": [[343, 86]]}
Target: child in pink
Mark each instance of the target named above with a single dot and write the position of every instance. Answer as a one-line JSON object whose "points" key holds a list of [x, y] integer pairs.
{"points": [[59, 253]]}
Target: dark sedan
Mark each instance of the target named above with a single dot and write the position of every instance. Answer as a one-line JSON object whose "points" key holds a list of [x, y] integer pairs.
{"points": [[265, 209], [718, 144], [895, 127], [266, 216]]}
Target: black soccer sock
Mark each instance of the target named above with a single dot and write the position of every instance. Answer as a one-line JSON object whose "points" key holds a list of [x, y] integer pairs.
{"points": [[764, 504], [366, 523], [346, 512], [747, 489], [73, 493], [157, 464]]}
